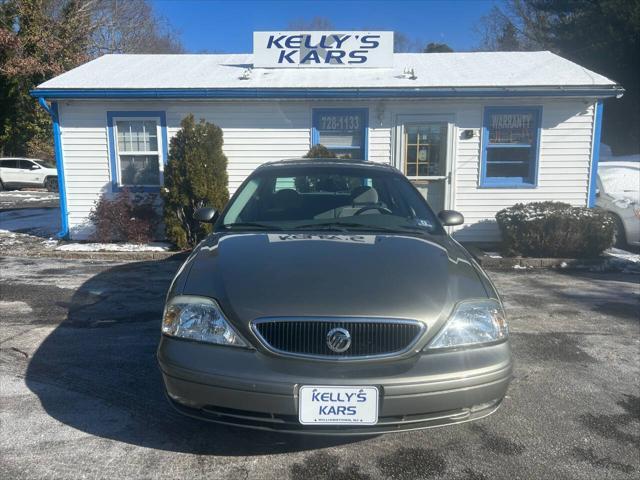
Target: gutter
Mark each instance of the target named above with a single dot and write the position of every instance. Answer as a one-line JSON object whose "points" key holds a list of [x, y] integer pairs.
{"points": [[317, 93], [595, 154], [52, 110]]}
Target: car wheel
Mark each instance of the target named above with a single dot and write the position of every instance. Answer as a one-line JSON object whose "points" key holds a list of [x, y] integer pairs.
{"points": [[619, 234], [51, 184]]}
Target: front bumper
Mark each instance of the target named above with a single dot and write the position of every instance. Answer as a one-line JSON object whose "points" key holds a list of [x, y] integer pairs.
{"points": [[251, 389]]}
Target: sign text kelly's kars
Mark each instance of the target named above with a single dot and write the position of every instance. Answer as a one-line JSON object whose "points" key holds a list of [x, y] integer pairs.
{"points": [[323, 49]]}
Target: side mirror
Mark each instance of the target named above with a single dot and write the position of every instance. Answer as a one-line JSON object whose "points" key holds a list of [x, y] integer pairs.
{"points": [[34, 167], [449, 218], [204, 214]]}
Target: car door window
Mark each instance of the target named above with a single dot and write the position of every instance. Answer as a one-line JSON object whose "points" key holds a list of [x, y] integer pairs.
{"points": [[9, 164], [26, 164]]}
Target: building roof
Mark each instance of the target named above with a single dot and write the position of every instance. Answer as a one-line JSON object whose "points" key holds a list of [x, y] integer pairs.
{"points": [[452, 71]]}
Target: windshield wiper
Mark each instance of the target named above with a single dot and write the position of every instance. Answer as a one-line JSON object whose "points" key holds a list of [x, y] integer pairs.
{"points": [[343, 227], [261, 226], [417, 228], [335, 226]]}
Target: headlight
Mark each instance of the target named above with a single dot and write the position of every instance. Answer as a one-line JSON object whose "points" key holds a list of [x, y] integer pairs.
{"points": [[472, 322], [198, 318]]}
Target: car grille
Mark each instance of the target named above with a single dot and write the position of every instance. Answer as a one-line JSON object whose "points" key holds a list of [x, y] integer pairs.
{"points": [[308, 337]]}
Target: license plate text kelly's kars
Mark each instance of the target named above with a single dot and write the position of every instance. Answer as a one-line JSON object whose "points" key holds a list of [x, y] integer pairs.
{"points": [[338, 405]]}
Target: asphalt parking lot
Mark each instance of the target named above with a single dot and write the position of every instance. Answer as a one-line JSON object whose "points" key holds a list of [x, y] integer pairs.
{"points": [[81, 395]]}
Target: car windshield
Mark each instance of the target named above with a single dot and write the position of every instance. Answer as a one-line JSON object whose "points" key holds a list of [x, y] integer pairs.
{"points": [[333, 198]]}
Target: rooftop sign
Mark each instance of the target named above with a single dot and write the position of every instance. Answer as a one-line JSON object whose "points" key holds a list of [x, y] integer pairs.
{"points": [[323, 49]]}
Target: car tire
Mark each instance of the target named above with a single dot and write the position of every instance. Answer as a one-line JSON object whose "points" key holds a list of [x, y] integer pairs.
{"points": [[51, 184], [619, 234]]}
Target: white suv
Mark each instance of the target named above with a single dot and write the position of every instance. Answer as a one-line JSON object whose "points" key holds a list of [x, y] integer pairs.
{"points": [[27, 172]]}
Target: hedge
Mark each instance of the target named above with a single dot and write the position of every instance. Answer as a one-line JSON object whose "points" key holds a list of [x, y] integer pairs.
{"points": [[555, 229]]}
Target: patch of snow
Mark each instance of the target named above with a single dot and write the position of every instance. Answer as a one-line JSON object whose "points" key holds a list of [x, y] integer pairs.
{"points": [[38, 221], [28, 195], [460, 69], [115, 247], [10, 308], [621, 180], [537, 211], [493, 254], [619, 261], [519, 267], [623, 255]]}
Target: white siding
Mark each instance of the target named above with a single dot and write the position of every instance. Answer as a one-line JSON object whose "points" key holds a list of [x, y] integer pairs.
{"points": [[563, 168], [259, 131]]}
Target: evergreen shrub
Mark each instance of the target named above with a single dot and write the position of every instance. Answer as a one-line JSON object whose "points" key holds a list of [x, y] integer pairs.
{"points": [[554, 229], [195, 176]]}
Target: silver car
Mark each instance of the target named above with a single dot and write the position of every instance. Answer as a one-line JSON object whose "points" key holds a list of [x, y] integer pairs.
{"points": [[619, 193], [329, 299]]}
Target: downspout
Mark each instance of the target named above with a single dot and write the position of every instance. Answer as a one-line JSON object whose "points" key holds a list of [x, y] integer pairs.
{"points": [[595, 154], [52, 110]]}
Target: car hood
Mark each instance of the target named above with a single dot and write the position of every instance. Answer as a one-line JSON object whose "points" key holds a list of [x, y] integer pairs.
{"points": [[255, 275]]}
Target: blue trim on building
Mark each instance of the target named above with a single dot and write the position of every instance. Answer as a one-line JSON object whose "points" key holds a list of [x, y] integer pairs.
{"points": [[364, 112], [57, 148], [595, 154], [113, 164], [321, 93], [510, 182]]}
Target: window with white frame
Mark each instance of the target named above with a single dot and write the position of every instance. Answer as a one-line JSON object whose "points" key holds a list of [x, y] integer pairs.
{"points": [[138, 151]]}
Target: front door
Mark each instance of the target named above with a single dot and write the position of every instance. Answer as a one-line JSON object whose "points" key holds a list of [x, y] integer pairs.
{"points": [[424, 159]]}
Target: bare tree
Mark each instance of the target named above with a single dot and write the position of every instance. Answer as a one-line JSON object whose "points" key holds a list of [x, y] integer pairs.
{"points": [[131, 26], [508, 28], [315, 24], [40, 39]]}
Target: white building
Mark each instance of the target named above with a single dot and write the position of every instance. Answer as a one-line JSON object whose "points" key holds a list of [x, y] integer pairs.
{"points": [[476, 132]]}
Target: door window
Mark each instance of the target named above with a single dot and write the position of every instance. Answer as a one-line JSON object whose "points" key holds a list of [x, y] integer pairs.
{"points": [[425, 150], [9, 164], [26, 164], [425, 160]]}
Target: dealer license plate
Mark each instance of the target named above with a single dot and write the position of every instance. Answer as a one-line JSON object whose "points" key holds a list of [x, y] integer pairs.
{"points": [[338, 405]]}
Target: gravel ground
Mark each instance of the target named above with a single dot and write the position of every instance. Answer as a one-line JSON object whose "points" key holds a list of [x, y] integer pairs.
{"points": [[81, 395]]}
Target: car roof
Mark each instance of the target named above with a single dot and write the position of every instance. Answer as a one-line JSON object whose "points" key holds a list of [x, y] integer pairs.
{"points": [[618, 164], [21, 158], [327, 162]]}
